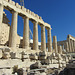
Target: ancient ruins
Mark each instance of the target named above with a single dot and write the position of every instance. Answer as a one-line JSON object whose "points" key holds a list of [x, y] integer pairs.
{"points": [[18, 57]]}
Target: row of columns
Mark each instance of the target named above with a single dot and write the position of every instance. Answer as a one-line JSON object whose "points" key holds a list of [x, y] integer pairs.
{"points": [[13, 33]]}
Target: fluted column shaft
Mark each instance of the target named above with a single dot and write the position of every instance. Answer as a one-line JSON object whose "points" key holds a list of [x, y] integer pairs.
{"points": [[69, 43], [13, 30], [35, 36], [26, 33], [55, 44], [67, 47], [49, 40], [73, 46], [43, 39]]}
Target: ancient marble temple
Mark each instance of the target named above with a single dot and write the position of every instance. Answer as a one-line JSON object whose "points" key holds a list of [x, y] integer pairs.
{"points": [[23, 60]]}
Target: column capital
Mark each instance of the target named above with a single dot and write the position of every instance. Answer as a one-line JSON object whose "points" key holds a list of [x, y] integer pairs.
{"points": [[14, 11], [34, 22], [25, 17]]}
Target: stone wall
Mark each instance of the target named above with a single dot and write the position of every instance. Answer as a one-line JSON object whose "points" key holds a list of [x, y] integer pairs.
{"points": [[5, 28]]}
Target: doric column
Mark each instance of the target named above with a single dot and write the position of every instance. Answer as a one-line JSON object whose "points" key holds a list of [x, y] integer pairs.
{"points": [[60, 49], [1, 13], [35, 35], [55, 44], [26, 33], [43, 39], [13, 30], [67, 47], [69, 43], [73, 45], [49, 40]]}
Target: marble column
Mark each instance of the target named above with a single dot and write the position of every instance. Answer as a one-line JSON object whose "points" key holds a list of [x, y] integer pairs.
{"points": [[13, 30], [55, 44], [43, 38], [67, 47], [1, 13], [69, 43], [60, 49], [35, 35], [26, 33], [73, 46], [49, 40]]}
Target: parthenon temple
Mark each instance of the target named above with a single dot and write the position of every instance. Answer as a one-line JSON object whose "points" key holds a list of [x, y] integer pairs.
{"points": [[18, 54]]}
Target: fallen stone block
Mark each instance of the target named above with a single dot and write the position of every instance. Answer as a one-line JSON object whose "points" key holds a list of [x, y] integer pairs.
{"points": [[36, 65], [15, 55], [6, 55]]}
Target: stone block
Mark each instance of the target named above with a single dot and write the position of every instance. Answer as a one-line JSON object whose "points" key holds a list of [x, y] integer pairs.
{"points": [[42, 57], [27, 10], [17, 5], [43, 73], [15, 55], [6, 55], [13, 3], [5, 71], [25, 56], [7, 0], [7, 49], [30, 12], [33, 56], [36, 16], [54, 65], [54, 61], [43, 53], [36, 65], [22, 7]]}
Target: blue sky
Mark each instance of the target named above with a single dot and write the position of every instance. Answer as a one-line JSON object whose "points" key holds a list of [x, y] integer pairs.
{"points": [[60, 14]]}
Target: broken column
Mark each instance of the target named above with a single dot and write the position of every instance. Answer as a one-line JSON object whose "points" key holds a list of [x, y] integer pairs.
{"points": [[26, 33], [49, 40], [35, 36], [43, 39], [13, 30], [55, 44]]}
